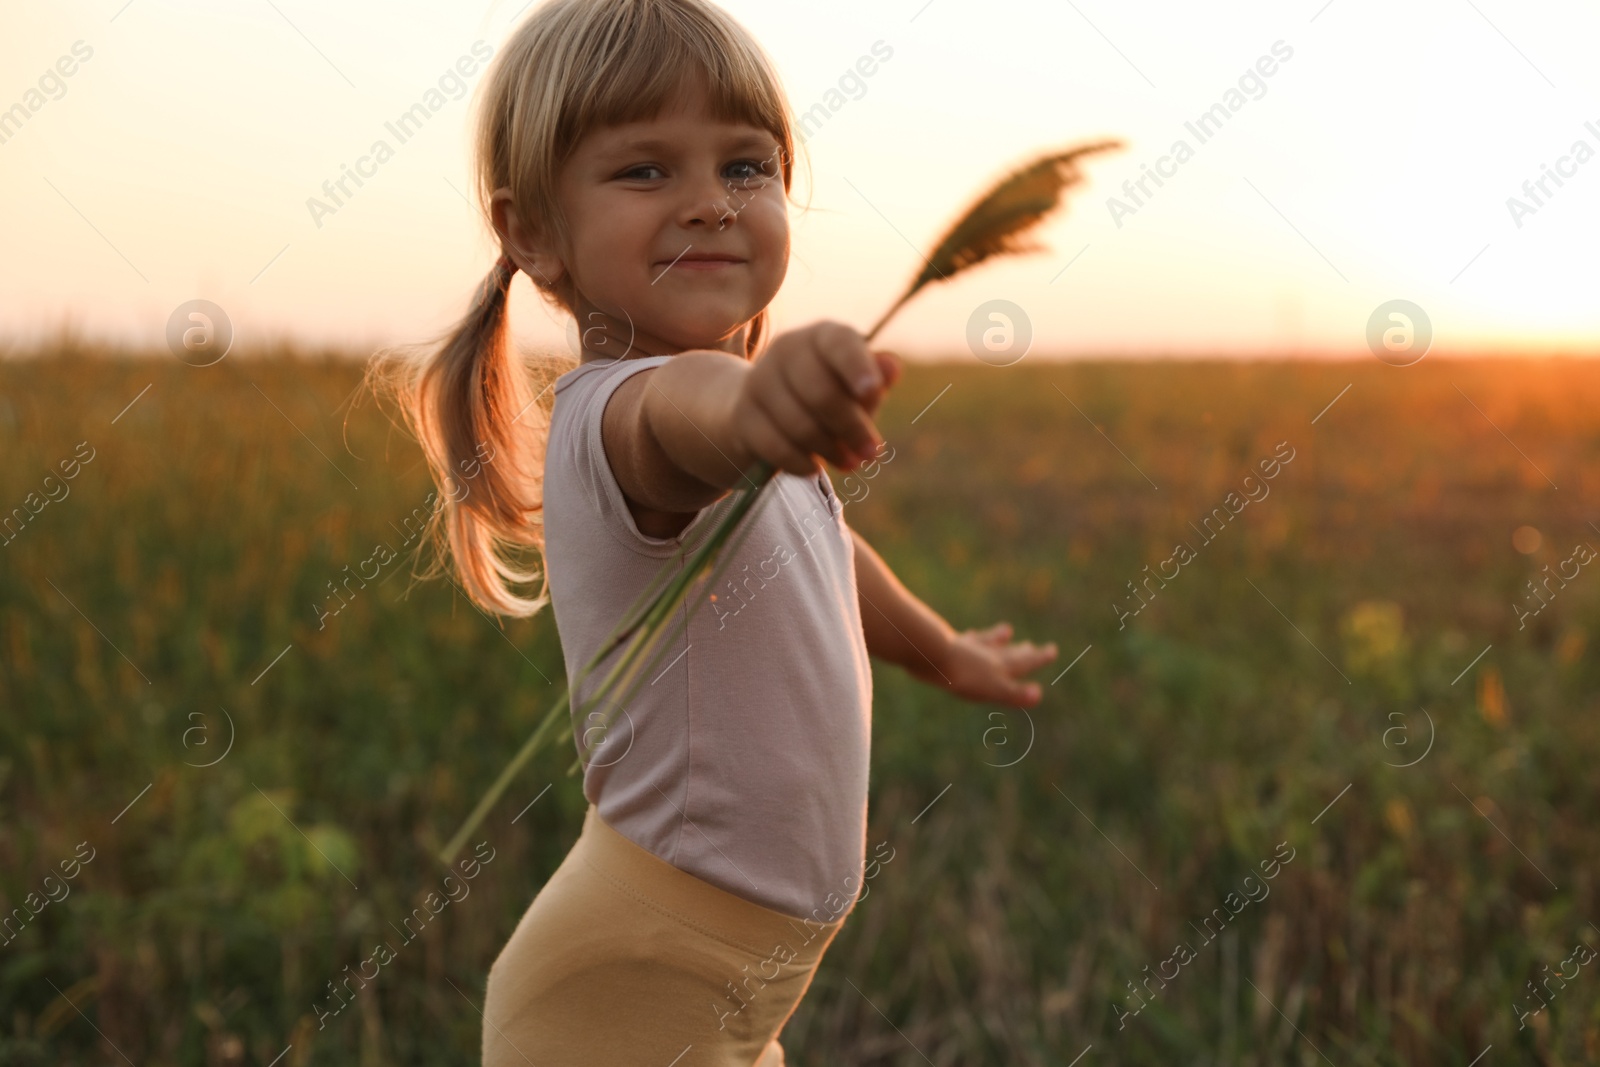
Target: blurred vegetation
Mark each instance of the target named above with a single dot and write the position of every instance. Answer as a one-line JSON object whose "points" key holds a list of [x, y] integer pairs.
{"points": [[171, 603]]}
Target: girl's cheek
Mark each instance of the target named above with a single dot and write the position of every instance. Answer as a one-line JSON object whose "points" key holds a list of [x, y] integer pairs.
{"points": [[768, 213], [769, 226]]}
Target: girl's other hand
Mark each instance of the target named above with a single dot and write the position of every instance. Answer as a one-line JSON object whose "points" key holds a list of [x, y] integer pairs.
{"points": [[813, 393], [986, 666]]}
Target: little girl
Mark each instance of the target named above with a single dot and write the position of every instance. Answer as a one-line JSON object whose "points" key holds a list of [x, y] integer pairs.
{"points": [[629, 155]]}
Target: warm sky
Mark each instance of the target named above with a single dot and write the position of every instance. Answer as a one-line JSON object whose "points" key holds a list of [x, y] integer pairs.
{"points": [[176, 160]]}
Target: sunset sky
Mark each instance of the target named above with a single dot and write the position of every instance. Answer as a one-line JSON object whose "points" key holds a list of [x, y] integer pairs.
{"points": [[1376, 162]]}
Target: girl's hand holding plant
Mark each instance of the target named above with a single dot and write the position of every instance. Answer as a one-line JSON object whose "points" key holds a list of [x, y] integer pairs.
{"points": [[812, 393]]}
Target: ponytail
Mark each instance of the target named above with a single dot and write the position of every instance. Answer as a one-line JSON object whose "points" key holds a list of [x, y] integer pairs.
{"points": [[472, 408], [480, 411]]}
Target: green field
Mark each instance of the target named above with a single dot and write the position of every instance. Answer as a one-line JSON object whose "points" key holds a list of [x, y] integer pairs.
{"points": [[1255, 708]]}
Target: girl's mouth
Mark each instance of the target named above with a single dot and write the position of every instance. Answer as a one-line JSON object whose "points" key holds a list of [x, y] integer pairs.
{"points": [[708, 264], [703, 261]]}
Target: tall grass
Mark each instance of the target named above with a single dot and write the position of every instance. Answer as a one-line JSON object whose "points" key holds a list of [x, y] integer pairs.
{"points": [[199, 542]]}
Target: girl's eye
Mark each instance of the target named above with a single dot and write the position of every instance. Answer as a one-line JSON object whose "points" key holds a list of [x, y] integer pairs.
{"points": [[749, 170], [743, 171]]}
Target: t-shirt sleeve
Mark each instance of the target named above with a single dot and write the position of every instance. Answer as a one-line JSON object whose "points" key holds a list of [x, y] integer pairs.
{"points": [[593, 468]]}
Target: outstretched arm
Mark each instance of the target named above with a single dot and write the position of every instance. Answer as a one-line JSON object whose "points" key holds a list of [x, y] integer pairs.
{"points": [[979, 665]]}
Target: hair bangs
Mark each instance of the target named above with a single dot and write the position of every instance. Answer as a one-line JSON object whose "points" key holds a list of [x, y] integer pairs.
{"points": [[650, 54]]}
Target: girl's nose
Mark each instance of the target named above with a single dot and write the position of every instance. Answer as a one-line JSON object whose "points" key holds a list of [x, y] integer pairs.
{"points": [[716, 211], [713, 205]]}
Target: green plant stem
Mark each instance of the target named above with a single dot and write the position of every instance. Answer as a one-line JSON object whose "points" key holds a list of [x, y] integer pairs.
{"points": [[643, 623], [642, 628]]}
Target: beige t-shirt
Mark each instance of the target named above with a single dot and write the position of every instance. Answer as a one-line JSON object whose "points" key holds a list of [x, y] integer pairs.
{"points": [[743, 759]]}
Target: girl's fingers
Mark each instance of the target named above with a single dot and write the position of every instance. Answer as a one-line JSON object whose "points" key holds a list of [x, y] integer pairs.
{"points": [[1025, 657], [830, 403], [997, 634], [799, 426], [845, 351], [889, 365], [1024, 693], [769, 443], [1000, 688]]}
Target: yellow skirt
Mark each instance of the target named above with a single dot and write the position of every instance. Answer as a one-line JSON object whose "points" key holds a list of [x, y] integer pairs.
{"points": [[624, 959]]}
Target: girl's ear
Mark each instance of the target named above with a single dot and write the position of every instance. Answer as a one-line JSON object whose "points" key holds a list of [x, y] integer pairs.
{"points": [[526, 245]]}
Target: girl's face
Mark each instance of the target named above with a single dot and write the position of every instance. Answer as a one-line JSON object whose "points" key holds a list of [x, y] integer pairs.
{"points": [[679, 228]]}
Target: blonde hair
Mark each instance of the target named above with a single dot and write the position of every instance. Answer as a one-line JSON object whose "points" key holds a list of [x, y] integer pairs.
{"points": [[572, 67]]}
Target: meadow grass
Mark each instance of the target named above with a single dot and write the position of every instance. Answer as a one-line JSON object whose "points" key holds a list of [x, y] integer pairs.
{"points": [[182, 594]]}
